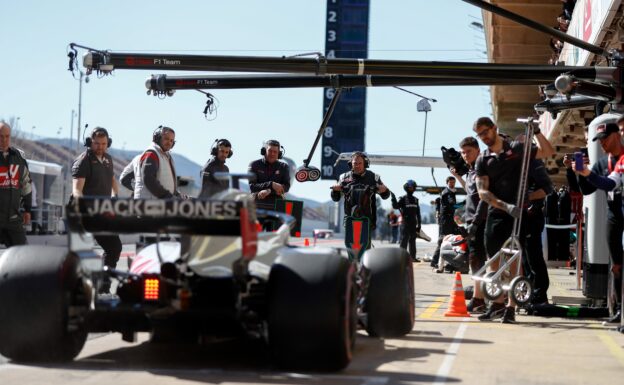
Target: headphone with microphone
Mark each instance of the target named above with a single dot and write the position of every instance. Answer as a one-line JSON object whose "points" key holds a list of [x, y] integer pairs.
{"points": [[159, 132], [273, 142], [214, 150], [98, 130], [363, 156]]}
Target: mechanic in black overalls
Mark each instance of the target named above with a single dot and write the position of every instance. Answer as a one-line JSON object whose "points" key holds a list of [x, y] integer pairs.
{"points": [[475, 221], [360, 187], [535, 269], [498, 171], [272, 177], [446, 221], [220, 151], [410, 210], [93, 175]]}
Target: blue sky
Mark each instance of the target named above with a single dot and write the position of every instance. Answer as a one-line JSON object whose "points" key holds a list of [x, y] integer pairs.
{"points": [[37, 87]]}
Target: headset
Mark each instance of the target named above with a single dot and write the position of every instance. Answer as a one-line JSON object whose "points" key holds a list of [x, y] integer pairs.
{"points": [[214, 150], [159, 132], [408, 184], [361, 154], [89, 141], [273, 142]]}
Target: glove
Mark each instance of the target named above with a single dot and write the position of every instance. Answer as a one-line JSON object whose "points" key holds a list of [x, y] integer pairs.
{"points": [[513, 210], [418, 229], [536, 129]]}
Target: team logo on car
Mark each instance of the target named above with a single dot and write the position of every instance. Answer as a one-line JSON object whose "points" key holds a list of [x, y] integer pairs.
{"points": [[357, 236], [162, 208]]}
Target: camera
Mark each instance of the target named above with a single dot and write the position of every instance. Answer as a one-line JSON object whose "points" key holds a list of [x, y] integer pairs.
{"points": [[453, 159]]}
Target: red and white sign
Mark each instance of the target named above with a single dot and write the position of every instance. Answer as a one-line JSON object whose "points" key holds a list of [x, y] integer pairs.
{"points": [[9, 176], [587, 20]]}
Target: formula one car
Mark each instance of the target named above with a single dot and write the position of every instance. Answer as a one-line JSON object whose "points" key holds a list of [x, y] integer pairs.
{"points": [[220, 277]]}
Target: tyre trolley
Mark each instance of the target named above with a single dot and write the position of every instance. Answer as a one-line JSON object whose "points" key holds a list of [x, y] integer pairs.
{"points": [[495, 283]]}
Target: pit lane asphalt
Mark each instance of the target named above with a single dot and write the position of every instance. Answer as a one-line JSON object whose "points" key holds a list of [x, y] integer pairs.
{"points": [[439, 350]]}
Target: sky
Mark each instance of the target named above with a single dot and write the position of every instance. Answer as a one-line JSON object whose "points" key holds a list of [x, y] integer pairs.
{"points": [[37, 88]]}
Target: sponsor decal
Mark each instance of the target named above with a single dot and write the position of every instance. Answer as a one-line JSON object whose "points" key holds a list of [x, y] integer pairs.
{"points": [[294, 208], [357, 236], [161, 208], [167, 62], [9, 176], [182, 82], [133, 61]]}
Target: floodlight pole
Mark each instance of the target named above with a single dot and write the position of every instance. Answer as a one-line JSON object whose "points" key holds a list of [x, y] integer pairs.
{"points": [[424, 106], [82, 79], [425, 133]]}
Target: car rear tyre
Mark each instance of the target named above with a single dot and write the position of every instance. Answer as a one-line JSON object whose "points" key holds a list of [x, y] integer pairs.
{"points": [[312, 317], [43, 303], [390, 294]]}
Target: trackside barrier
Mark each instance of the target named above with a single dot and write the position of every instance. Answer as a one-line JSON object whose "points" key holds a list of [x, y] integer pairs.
{"points": [[578, 227]]}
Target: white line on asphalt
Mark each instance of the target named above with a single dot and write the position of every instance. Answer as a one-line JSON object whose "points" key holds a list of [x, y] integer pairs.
{"points": [[451, 354], [363, 380]]}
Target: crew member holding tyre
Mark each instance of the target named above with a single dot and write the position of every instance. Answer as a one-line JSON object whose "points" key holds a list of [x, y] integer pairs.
{"points": [[93, 175], [410, 210], [220, 151], [360, 187], [272, 175], [15, 191]]}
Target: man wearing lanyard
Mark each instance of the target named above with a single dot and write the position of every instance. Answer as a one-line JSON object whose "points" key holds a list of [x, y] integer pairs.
{"points": [[272, 177]]}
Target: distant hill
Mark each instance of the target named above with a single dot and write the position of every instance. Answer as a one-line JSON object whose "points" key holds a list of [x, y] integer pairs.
{"points": [[62, 152], [184, 166]]}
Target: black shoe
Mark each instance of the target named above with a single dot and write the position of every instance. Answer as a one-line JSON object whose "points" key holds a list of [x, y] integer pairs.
{"points": [[414, 259], [539, 301], [458, 262], [495, 311], [616, 318], [476, 306], [509, 315]]}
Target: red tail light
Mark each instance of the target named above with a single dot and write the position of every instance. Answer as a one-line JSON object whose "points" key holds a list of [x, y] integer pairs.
{"points": [[249, 235], [151, 289]]}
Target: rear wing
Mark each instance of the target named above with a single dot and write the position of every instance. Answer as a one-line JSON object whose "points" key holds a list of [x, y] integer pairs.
{"points": [[192, 216]]}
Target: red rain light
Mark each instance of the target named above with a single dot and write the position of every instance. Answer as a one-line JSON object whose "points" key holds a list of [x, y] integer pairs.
{"points": [[150, 289]]}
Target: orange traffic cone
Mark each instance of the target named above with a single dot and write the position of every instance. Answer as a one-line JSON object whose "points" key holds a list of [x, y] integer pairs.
{"points": [[306, 242], [457, 304]]}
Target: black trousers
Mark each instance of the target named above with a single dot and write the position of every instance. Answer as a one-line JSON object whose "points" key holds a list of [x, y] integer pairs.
{"points": [[13, 234], [408, 238], [111, 244], [533, 262], [498, 228], [476, 249], [558, 244]]}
